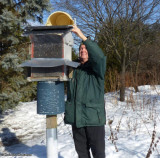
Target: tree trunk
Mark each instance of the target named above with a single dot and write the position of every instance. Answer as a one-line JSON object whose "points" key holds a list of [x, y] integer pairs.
{"points": [[136, 77], [122, 79], [136, 72], [122, 87]]}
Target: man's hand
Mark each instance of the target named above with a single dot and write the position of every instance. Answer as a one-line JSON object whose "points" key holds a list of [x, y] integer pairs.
{"points": [[79, 33]]}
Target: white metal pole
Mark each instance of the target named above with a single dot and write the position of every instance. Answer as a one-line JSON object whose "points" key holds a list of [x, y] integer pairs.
{"points": [[51, 136]]}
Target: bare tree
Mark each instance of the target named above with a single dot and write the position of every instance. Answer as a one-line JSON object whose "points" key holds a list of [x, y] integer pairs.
{"points": [[120, 23]]}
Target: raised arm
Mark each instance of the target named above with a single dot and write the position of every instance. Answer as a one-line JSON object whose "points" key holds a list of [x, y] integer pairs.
{"points": [[79, 33], [96, 56]]}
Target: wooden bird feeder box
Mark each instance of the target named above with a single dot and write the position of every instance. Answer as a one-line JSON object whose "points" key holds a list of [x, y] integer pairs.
{"points": [[51, 53]]}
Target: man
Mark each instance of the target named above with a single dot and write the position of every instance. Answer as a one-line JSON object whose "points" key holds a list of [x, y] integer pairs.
{"points": [[84, 108]]}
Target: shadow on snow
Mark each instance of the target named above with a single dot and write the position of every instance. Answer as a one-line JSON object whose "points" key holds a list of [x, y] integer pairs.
{"points": [[14, 146]]}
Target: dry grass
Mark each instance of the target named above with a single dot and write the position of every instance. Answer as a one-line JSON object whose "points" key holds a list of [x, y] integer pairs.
{"points": [[144, 107]]}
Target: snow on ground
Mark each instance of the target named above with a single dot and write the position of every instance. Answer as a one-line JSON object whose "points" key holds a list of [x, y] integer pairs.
{"points": [[130, 128]]}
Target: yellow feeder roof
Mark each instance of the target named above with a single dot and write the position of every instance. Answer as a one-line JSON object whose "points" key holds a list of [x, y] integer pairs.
{"points": [[59, 18]]}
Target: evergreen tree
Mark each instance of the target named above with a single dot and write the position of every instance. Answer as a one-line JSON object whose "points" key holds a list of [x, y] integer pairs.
{"points": [[14, 15], [74, 55]]}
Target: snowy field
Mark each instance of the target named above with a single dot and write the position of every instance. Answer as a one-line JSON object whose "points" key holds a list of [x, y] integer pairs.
{"points": [[132, 128]]}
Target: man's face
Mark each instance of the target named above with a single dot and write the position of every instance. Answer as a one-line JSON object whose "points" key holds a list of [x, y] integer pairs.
{"points": [[83, 53]]}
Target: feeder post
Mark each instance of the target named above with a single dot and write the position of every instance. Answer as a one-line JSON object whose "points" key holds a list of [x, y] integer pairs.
{"points": [[51, 136]]}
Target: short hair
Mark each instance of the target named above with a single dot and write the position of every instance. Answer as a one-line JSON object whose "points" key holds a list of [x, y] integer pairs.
{"points": [[81, 45]]}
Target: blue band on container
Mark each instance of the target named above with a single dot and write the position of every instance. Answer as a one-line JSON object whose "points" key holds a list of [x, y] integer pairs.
{"points": [[50, 97]]}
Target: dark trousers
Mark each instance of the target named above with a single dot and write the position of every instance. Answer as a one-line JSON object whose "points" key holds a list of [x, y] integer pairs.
{"points": [[91, 137]]}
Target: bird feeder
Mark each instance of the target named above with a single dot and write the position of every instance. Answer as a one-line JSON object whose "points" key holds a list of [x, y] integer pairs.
{"points": [[51, 52]]}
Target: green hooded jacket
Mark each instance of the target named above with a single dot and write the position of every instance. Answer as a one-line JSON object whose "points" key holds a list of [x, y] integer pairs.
{"points": [[85, 93]]}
